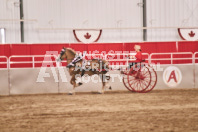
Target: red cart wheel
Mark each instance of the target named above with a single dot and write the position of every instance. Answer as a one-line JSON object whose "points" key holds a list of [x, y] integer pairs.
{"points": [[125, 82], [139, 79], [153, 80], [125, 79]]}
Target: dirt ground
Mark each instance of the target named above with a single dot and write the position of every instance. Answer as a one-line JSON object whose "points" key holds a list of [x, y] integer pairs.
{"points": [[159, 110]]}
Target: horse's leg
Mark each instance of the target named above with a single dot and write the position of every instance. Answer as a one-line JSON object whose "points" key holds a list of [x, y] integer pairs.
{"points": [[105, 84], [73, 82], [106, 80]]}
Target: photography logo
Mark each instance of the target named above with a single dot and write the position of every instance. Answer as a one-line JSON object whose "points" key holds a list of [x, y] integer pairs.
{"points": [[172, 76]]}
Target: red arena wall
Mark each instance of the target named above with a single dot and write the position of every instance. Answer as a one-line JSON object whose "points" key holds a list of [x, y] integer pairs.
{"points": [[147, 47]]}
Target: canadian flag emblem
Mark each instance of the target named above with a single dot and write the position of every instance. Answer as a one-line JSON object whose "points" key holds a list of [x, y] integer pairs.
{"points": [[191, 34], [87, 35]]}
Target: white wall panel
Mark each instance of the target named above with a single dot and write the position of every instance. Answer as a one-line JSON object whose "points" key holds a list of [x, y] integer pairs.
{"points": [[196, 75], [82, 14], [97, 14], [24, 81], [187, 77], [170, 13], [9, 10], [4, 87]]}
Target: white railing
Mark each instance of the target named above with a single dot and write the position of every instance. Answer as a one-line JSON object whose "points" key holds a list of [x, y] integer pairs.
{"points": [[99, 56], [124, 59], [106, 28], [33, 61], [5, 62], [33, 58], [194, 56], [171, 58]]}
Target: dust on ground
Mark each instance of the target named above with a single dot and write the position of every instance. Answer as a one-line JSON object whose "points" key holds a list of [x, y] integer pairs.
{"points": [[158, 110]]}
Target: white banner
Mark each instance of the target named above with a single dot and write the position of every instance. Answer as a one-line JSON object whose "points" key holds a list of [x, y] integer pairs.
{"points": [[175, 76], [33, 81], [4, 84], [196, 75]]}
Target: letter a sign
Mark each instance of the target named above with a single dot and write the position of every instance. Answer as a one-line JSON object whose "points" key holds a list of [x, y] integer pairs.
{"points": [[172, 76]]}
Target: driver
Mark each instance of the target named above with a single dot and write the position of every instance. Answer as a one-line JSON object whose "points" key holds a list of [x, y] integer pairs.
{"points": [[138, 56]]}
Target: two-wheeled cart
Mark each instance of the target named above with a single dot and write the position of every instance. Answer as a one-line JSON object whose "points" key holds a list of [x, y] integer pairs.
{"points": [[140, 78]]}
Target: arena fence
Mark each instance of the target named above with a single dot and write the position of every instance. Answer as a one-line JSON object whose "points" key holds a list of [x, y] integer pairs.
{"points": [[4, 76], [196, 69], [16, 79], [181, 65], [33, 61], [172, 58]]}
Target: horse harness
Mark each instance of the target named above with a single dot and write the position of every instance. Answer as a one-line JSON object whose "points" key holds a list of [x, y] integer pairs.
{"points": [[87, 63]]}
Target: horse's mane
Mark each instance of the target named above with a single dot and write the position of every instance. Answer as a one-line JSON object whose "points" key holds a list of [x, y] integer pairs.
{"points": [[72, 51]]}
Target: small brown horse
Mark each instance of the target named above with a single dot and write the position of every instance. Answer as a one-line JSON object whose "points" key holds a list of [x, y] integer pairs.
{"points": [[95, 66]]}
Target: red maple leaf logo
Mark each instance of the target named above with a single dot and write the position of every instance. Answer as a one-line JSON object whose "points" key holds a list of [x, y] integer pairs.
{"points": [[87, 35], [191, 34]]}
